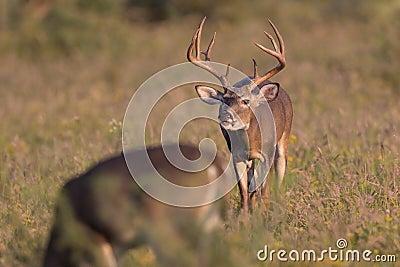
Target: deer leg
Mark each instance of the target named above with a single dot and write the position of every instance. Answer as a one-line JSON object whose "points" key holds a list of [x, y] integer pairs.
{"points": [[265, 194], [251, 176], [281, 158], [108, 254], [241, 176]]}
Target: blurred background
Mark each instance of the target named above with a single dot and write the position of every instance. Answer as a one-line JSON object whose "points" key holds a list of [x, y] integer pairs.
{"points": [[69, 68]]}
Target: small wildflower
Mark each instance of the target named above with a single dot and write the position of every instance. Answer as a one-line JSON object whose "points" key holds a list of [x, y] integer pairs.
{"points": [[27, 220], [292, 138], [114, 125]]}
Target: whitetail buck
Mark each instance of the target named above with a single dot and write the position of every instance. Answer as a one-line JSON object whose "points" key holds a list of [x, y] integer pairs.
{"points": [[103, 213], [237, 119]]}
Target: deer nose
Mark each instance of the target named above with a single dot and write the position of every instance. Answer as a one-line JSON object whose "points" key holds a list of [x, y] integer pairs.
{"points": [[225, 118]]}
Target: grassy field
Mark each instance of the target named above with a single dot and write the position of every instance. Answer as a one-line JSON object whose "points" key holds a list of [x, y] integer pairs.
{"points": [[64, 88]]}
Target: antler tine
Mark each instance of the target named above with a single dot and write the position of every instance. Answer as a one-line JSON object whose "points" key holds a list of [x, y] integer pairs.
{"points": [[278, 53], [272, 40], [205, 64], [198, 38], [207, 54], [280, 39], [195, 43], [227, 71], [269, 51], [255, 67]]}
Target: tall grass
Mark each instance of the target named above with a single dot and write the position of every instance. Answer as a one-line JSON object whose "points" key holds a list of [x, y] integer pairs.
{"points": [[66, 79]]}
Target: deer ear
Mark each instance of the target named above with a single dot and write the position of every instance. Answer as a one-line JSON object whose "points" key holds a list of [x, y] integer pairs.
{"points": [[209, 95], [270, 91]]}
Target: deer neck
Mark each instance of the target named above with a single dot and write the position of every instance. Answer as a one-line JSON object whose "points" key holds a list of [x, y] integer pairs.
{"points": [[240, 147]]}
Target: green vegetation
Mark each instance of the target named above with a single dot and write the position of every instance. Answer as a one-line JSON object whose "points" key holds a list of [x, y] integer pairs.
{"points": [[69, 69]]}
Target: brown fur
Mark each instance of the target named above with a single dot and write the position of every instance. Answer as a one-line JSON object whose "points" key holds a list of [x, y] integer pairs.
{"points": [[103, 213], [282, 111], [238, 123]]}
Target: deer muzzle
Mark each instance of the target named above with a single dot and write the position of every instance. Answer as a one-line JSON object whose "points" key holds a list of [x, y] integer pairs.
{"points": [[226, 118], [230, 120]]}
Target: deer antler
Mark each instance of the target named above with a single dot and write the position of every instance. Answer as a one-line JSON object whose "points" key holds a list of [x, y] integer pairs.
{"points": [[205, 64], [278, 53]]}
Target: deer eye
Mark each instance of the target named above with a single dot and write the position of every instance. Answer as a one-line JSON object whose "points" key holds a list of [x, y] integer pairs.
{"points": [[245, 101]]}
